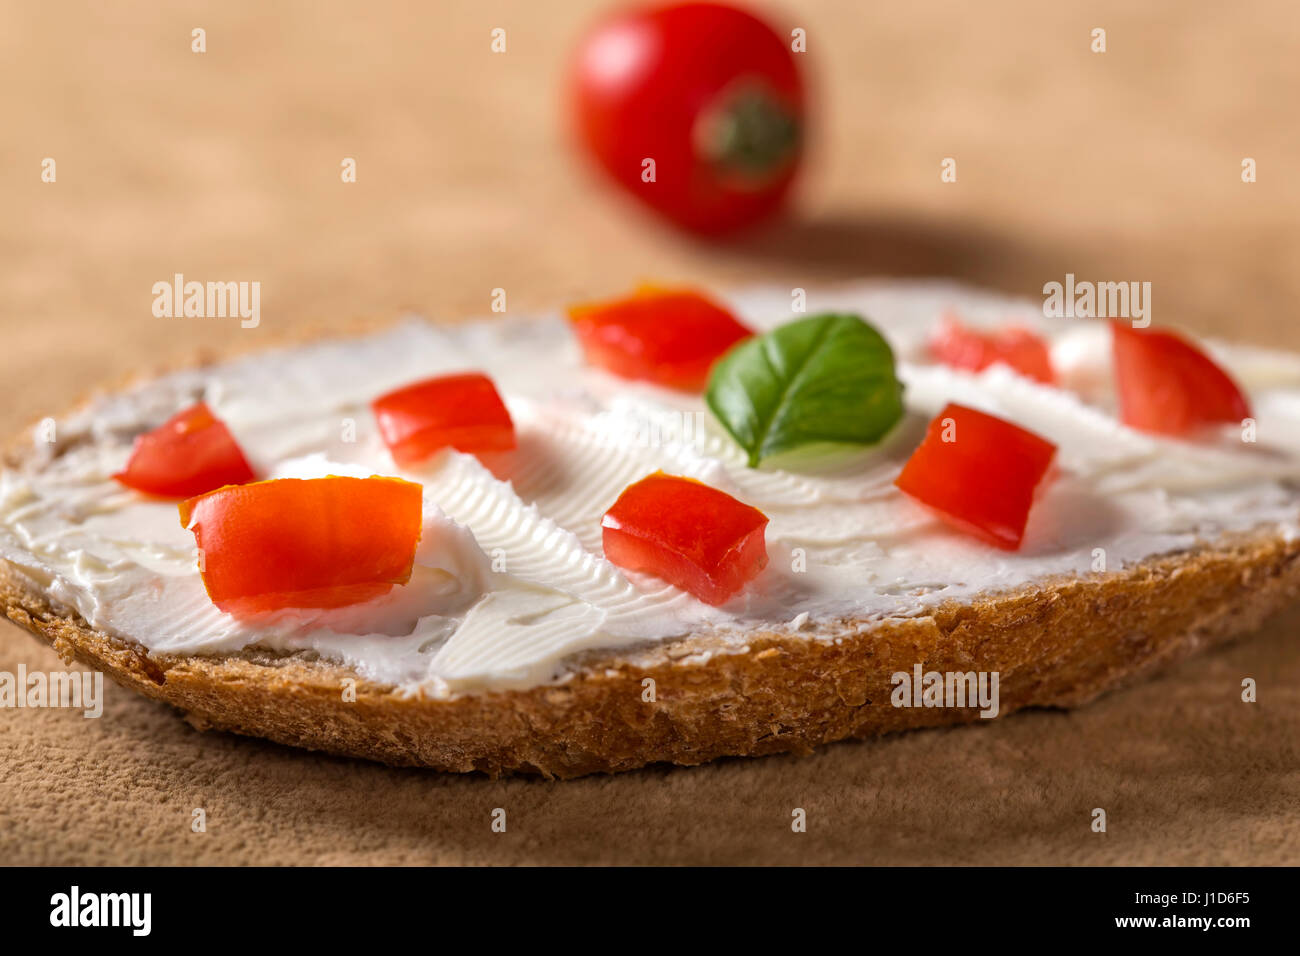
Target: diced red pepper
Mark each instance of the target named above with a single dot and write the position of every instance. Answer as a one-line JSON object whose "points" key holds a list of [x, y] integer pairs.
{"points": [[305, 543], [978, 472], [670, 337], [462, 411], [959, 346], [192, 452], [691, 535], [1169, 386]]}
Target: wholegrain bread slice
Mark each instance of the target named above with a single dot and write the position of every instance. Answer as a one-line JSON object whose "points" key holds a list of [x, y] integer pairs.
{"points": [[1059, 642]]}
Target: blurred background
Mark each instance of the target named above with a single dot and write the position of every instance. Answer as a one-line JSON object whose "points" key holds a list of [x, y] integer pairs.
{"points": [[1123, 165], [226, 165]]}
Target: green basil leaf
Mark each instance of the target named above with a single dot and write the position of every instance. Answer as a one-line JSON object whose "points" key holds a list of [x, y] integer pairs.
{"points": [[826, 378]]}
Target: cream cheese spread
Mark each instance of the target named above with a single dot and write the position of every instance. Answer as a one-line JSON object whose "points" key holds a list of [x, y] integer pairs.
{"points": [[510, 580]]}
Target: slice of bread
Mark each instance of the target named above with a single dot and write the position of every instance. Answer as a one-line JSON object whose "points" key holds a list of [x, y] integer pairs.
{"points": [[1058, 642]]}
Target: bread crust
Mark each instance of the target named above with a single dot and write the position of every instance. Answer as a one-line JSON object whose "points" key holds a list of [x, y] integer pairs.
{"points": [[1059, 644]]}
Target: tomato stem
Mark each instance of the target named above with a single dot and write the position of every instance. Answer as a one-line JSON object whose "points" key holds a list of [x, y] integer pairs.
{"points": [[749, 134]]}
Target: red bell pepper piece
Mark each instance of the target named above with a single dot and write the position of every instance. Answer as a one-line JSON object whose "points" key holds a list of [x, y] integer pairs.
{"points": [[462, 411], [691, 535], [190, 453], [670, 337], [959, 346], [1168, 386], [305, 543], [979, 473]]}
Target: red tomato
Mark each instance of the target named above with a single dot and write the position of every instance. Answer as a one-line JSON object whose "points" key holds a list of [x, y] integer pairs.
{"points": [[979, 473], [706, 91], [959, 346], [668, 337], [314, 543], [1168, 386], [190, 453], [696, 537], [463, 411]]}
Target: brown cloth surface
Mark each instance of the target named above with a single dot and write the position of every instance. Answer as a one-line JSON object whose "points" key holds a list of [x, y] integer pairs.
{"points": [[225, 165]]}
